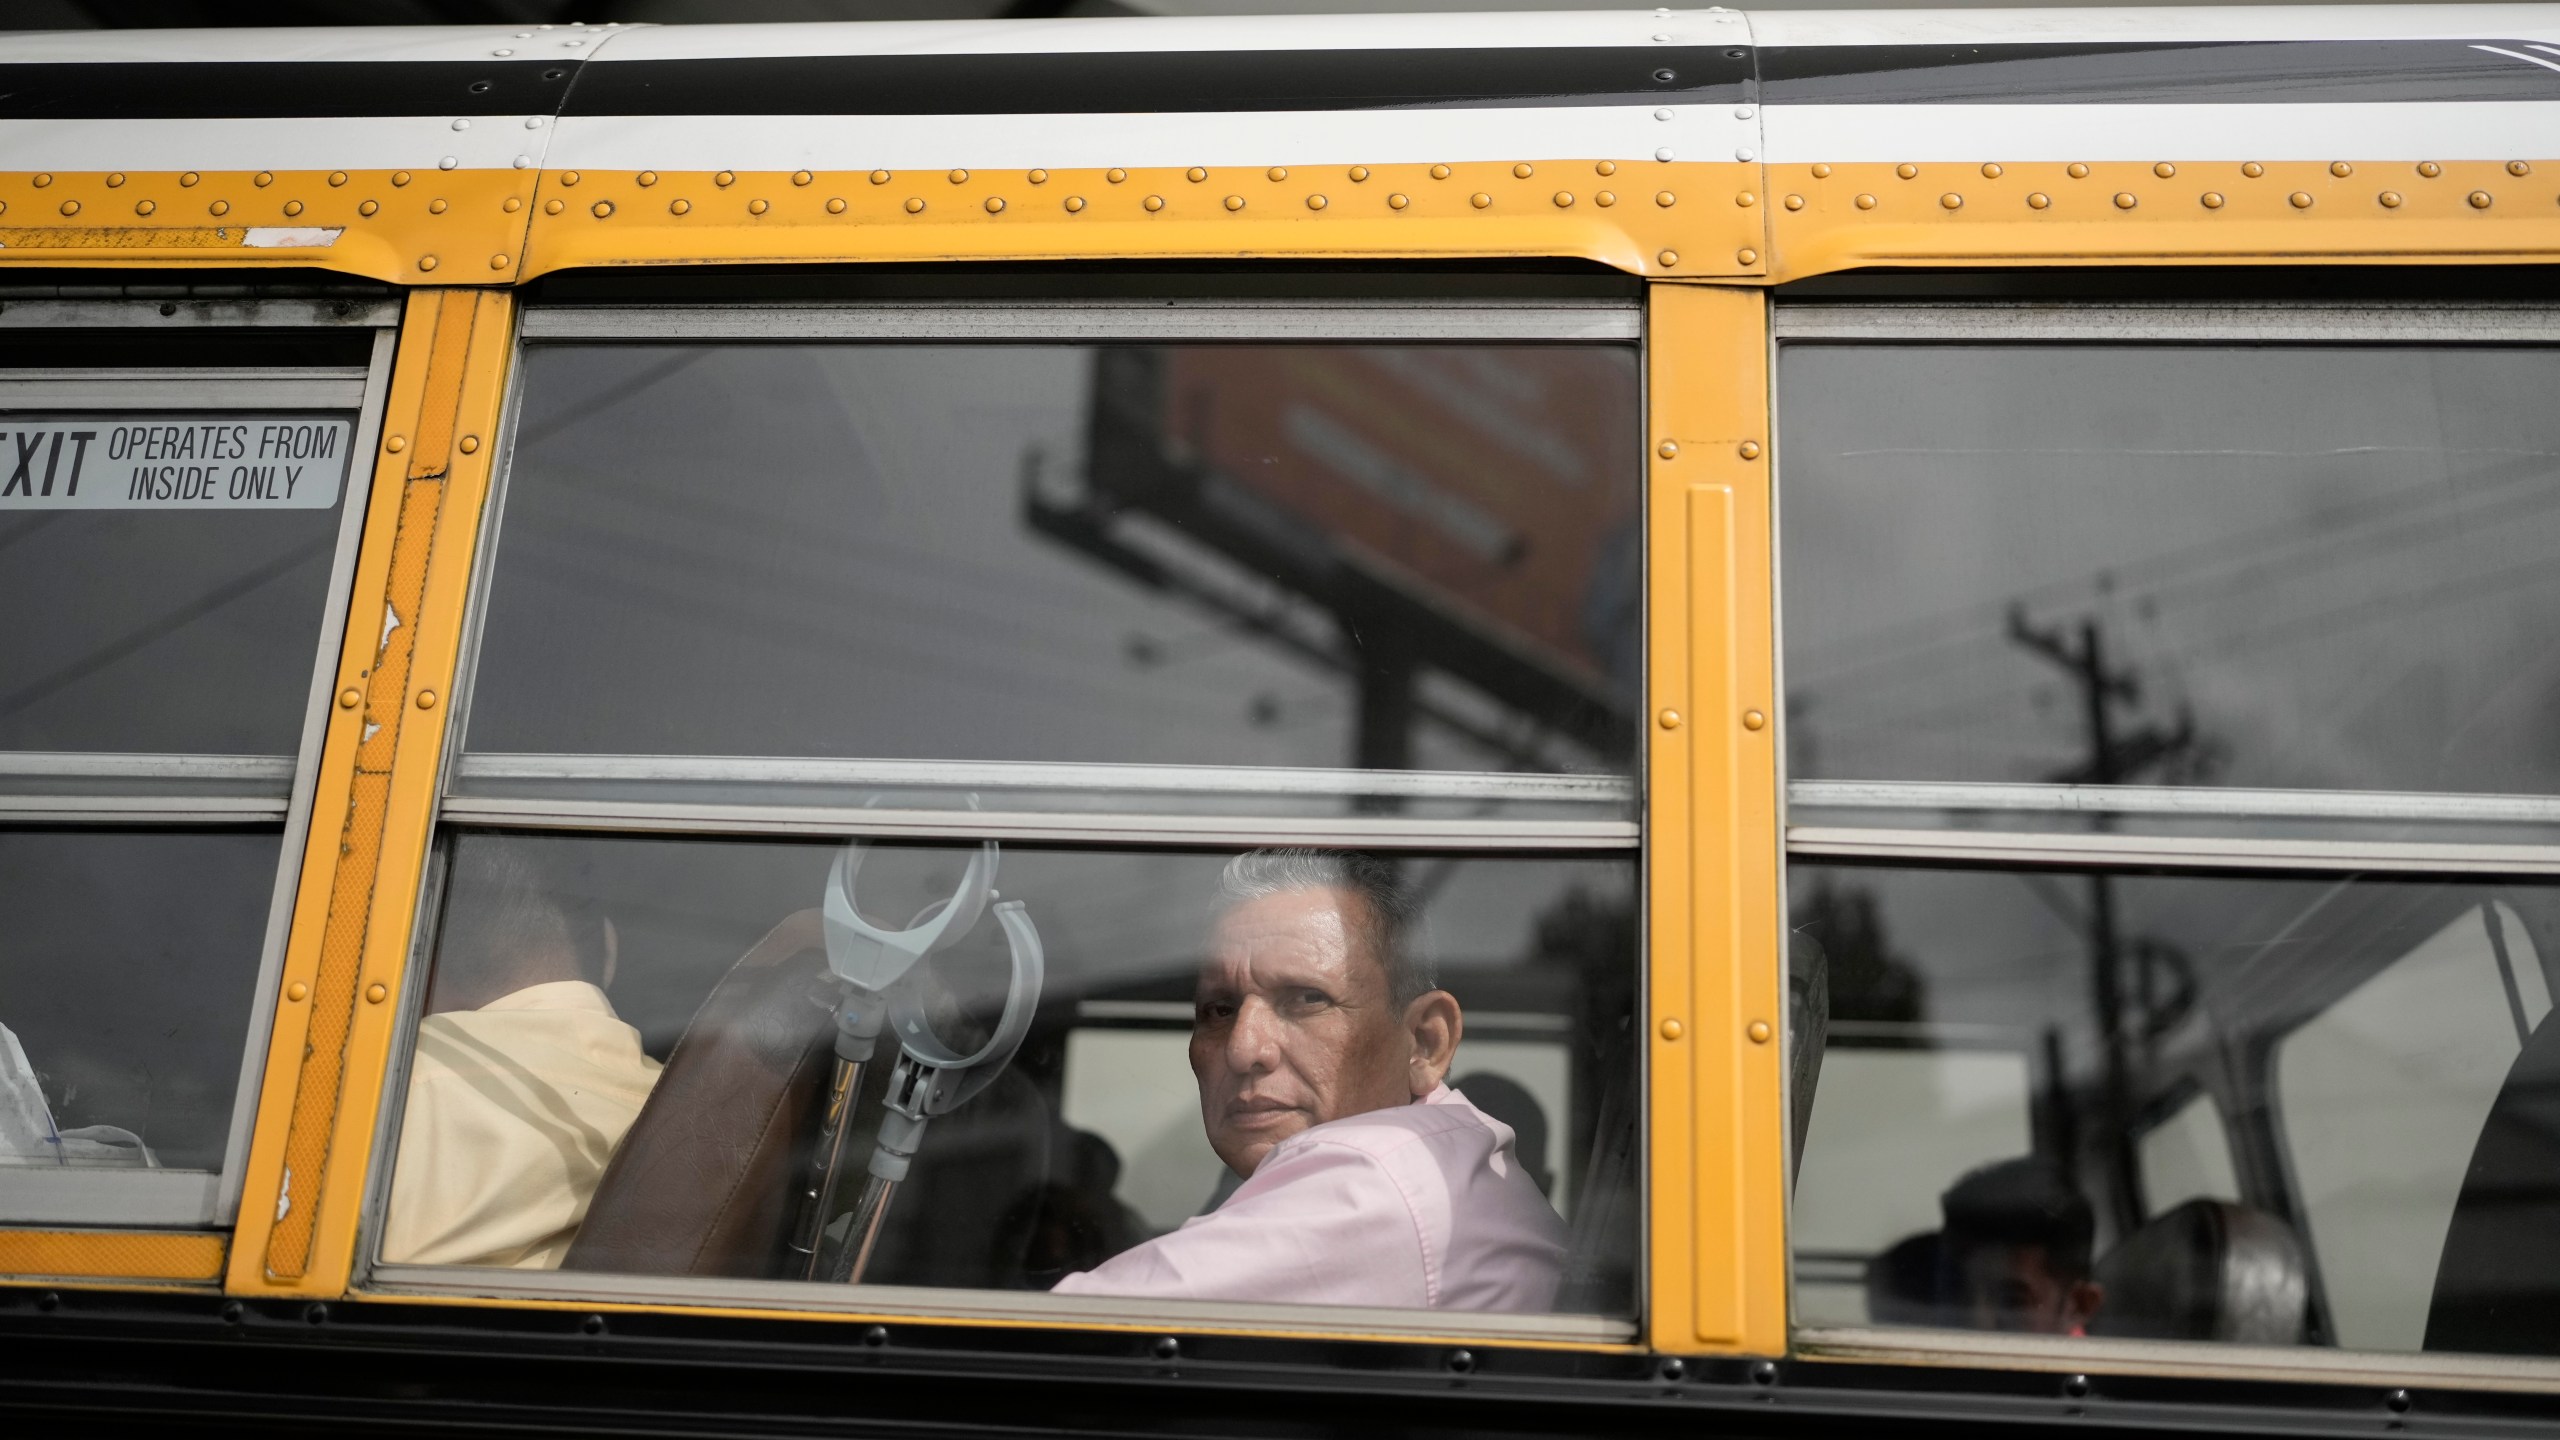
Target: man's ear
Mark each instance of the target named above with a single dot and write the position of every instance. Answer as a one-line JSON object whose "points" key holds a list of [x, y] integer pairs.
{"points": [[1435, 1024], [2080, 1304]]}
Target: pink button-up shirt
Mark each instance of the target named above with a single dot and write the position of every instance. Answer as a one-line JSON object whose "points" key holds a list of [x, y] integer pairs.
{"points": [[1420, 1207]]}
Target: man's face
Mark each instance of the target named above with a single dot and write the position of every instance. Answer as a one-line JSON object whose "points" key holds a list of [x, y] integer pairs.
{"points": [[1294, 1024], [2015, 1288]]}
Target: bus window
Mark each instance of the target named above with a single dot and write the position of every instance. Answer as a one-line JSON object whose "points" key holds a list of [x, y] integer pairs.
{"points": [[1131, 555], [127, 977], [2319, 566], [2387, 1050], [1093, 745], [612, 1025], [177, 525], [2174, 698]]}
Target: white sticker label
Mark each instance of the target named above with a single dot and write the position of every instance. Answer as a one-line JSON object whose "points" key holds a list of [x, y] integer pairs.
{"points": [[173, 462]]}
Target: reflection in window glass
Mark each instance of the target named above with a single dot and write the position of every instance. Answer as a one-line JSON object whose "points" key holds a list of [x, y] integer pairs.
{"points": [[1239, 555], [2187, 1157], [2297, 567], [209, 594], [2382, 1099], [2373, 1043], [1924, 1114], [1163, 1074], [128, 967]]}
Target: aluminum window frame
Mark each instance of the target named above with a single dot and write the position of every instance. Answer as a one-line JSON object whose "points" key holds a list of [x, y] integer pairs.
{"points": [[192, 308], [227, 791], [1391, 321], [1993, 322], [956, 1303], [1059, 322], [301, 387], [1932, 324]]}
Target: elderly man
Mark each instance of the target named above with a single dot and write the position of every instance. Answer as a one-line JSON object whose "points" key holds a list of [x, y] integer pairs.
{"points": [[1320, 1041]]}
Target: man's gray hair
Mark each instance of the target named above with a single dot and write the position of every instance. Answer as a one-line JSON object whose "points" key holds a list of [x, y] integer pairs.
{"points": [[1393, 920]]}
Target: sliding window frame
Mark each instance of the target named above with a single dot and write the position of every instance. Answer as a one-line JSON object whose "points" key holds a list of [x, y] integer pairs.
{"points": [[2291, 326], [106, 789], [1027, 323], [2536, 818], [1384, 322]]}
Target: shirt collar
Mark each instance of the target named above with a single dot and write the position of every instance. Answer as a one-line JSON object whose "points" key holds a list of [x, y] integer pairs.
{"points": [[555, 995]]}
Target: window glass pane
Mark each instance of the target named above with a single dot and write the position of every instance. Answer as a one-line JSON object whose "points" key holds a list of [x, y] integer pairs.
{"points": [[128, 969], [2356, 1074], [152, 555], [1314, 555], [612, 1025], [2186, 1157], [2288, 567]]}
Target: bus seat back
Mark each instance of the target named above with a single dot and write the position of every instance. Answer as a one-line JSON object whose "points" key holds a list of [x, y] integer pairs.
{"points": [[2206, 1270], [705, 1182]]}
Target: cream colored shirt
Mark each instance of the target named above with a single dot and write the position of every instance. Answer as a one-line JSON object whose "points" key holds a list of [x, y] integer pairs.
{"points": [[513, 1110]]}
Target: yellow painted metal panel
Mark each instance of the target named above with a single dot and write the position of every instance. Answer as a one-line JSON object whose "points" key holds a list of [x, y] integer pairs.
{"points": [[346, 821], [1713, 942], [192, 1257], [408, 227], [345, 963], [1838, 217], [1651, 218], [1719, 1123], [1726, 220], [468, 227]]}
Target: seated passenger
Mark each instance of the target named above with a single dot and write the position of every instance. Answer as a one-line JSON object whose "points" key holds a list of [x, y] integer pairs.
{"points": [[1319, 1042], [1902, 1283], [2015, 1252], [523, 1080]]}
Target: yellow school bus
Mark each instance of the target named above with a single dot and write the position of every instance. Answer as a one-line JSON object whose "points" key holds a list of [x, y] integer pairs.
{"points": [[646, 669]]}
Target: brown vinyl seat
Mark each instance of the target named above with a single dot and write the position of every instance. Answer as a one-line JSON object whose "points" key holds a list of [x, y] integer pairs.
{"points": [[706, 1180]]}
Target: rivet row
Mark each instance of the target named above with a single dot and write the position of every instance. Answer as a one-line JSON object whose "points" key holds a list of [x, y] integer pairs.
{"points": [[996, 204], [2127, 200], [2166, 170]]}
